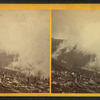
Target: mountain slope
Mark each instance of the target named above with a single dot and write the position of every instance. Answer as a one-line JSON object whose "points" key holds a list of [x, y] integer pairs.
{"points": [[68, 75], [72, 58]]}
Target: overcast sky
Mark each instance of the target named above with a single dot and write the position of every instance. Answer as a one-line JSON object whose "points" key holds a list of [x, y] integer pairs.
{"points": [[65, 22]]}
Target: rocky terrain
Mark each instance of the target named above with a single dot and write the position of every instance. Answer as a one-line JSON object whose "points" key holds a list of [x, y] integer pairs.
{"points": [[68, 74], [15, 82]]}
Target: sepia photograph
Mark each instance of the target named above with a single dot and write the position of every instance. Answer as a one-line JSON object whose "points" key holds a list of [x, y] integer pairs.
{"points": [[24, 51], [75, 51]]}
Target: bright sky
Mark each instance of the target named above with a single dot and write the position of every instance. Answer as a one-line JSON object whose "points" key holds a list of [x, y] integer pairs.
{"points": [[69, 22]]}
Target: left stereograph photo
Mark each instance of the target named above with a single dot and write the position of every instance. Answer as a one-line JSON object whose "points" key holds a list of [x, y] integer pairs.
{"points": [[24, 51]]}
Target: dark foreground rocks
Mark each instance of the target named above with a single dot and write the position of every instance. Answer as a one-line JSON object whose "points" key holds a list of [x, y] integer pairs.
{"points": [[69, 81], [10, 82]]}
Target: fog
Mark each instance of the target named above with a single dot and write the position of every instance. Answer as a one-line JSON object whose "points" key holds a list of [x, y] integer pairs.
{"points": [[80, 28], [26, 33]]}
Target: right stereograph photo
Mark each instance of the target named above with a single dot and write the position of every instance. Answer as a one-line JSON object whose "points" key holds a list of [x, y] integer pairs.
{"points": [[75, 51]]}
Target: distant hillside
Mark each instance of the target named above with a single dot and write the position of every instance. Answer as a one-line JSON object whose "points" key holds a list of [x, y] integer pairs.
{"points": [[73, 58], [57, 65], [6, 59], [55, 44]]}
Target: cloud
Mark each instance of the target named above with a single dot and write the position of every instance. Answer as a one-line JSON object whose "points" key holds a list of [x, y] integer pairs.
{"points": [[26, 32], [82, 29]]}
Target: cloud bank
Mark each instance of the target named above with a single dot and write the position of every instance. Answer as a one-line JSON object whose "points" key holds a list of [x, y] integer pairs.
{"points": [[26, 32], [81, 29]]}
